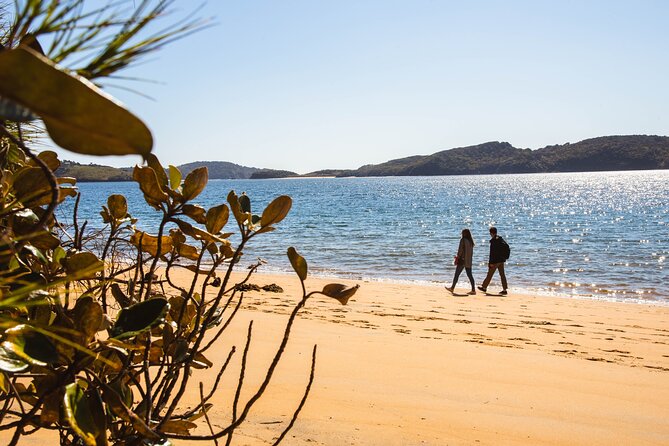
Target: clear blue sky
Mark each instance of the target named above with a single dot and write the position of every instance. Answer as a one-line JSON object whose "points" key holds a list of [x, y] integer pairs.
{"points": [[307, 85]]}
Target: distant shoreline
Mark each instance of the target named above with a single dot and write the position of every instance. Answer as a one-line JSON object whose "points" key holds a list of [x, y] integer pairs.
{"points": [[601, 154], [309, 177]]}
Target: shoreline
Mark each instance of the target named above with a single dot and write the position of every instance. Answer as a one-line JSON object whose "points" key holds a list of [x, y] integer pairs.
{"points": [[660, 300]]}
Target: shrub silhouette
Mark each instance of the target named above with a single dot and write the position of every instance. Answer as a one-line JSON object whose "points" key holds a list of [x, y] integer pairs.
{"points": [[93, 342]]}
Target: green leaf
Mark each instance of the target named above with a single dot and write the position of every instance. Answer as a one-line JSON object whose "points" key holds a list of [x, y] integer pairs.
{"points": [[58, 254], [78, 116], [35, 252], [217, 217], [139, 318], [175, 177], [298, 263], [4, 383], [30, 345], [84, 413], [276, 211], [195, 182], [118, 206], [10, 362], [340, 292]]}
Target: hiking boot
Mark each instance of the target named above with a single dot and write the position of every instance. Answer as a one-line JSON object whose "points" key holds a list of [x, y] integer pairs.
{"points": [[481, 288], [472, 292], [503, 292]]}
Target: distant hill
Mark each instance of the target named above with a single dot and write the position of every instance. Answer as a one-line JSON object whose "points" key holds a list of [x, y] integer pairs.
{"points": [[329, 173], [217, 170], [264, 174], [221, 169], [635, 152], [93, 172]]}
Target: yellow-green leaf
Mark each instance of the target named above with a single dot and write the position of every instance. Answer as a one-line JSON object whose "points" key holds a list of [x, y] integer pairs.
{"points": [[78, 116], [84, 413], [175, 177], [83, 264], [30, 345], [298, 263]]}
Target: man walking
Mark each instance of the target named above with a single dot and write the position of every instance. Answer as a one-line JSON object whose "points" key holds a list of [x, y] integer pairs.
{"points": [[499, 253]]}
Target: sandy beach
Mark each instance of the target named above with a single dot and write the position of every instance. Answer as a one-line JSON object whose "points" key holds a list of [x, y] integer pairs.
{"points": [[413, 365]]}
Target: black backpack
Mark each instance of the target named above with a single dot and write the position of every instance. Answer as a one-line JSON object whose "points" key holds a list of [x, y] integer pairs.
{"points": [[506, 249]]}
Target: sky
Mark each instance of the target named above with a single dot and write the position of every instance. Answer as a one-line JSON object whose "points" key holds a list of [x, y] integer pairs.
{"points": [[303, 85]]}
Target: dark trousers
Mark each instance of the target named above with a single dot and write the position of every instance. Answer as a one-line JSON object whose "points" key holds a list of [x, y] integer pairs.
{"points": [[458, 270], [492, 267]]}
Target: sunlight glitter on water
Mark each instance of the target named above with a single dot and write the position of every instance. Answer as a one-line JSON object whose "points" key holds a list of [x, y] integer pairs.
{"points": [[580, 229]]}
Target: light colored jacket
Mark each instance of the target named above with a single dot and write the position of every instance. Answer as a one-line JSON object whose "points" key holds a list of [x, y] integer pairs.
{"points": [[466, 251]]}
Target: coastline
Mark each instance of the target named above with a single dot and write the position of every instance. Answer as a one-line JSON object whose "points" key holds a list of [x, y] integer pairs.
{"points": [[404, 364]]}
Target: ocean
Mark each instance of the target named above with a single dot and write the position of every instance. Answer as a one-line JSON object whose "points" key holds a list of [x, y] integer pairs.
{"points": [[601, 235]]}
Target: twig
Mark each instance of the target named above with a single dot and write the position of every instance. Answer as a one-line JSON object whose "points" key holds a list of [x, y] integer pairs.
{"points": [[240, 383], [304, 399], [206, 415]]}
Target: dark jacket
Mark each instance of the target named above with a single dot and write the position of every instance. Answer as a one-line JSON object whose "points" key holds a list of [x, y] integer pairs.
{"points": [[497, 251]]}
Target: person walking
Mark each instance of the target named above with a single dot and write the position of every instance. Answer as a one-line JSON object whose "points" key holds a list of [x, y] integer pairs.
{"points": [[464, 260], [499, 253]]}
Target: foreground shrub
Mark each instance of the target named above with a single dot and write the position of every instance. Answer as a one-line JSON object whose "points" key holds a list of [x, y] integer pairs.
{"points": [[96, 339]]}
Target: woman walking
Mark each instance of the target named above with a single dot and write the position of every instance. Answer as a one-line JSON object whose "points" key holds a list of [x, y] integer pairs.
{"points": [[464, 260]]}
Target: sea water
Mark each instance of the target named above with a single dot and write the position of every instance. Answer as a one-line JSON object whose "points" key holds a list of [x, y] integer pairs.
{"points": [[602, 235]]}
